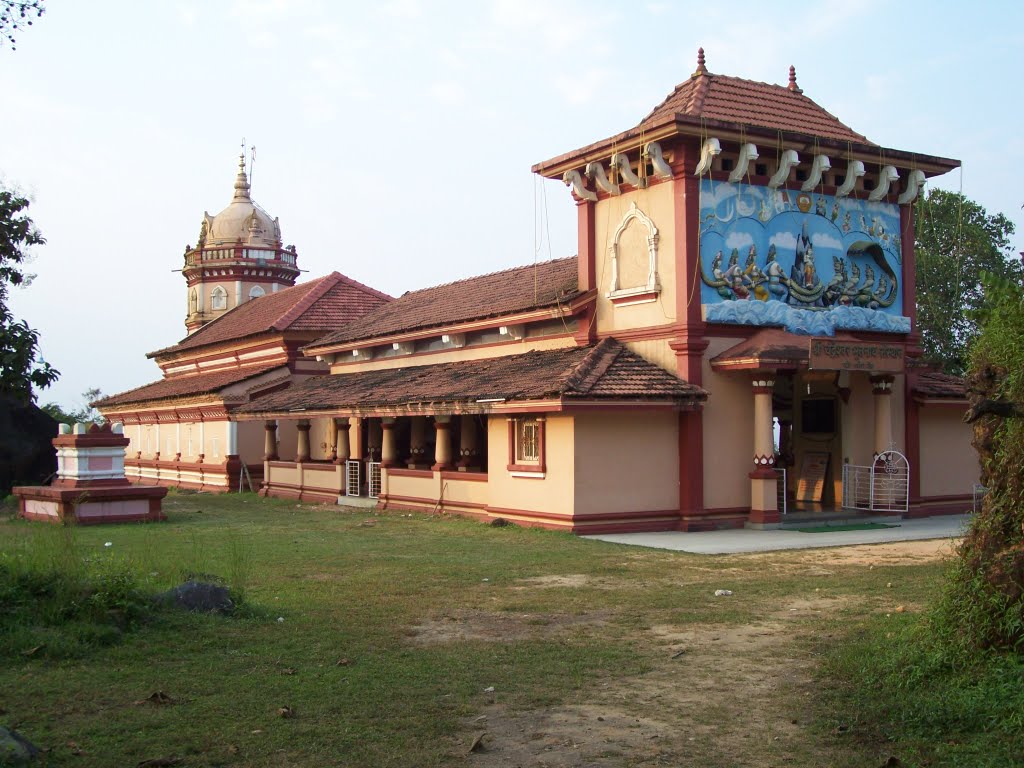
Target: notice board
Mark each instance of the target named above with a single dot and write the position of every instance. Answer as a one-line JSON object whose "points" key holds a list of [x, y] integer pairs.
{"points": [[811, 480]]}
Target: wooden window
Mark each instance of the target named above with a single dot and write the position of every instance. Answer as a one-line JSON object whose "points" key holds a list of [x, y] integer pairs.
{"points": [[527, 441], [526, 446]]}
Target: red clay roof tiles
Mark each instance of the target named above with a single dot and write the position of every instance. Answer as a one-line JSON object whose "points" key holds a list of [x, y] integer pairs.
{"points": [[747, 102], [604, 371], [499, 293], [935, 385], [185, 386], [319, 305]]}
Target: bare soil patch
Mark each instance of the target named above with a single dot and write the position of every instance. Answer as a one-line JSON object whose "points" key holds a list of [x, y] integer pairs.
{"points": [[500, 626]]}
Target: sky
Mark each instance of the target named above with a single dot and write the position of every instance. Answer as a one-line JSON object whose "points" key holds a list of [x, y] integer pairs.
{"points": [[394, 139]]}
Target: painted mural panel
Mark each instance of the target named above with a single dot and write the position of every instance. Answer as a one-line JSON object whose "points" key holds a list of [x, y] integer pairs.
{"points": [[808, 262]]}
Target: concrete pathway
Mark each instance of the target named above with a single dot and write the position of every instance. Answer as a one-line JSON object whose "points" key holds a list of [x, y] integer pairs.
{"points": [[746, 540]]}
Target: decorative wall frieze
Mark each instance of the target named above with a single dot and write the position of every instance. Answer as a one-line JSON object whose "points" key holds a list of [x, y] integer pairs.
{"points": [[819, 167], [748, 154], [789, 160]]}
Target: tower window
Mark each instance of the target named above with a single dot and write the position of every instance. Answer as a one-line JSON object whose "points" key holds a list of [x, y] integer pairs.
{"points": [[218, 298], [256, 291]]}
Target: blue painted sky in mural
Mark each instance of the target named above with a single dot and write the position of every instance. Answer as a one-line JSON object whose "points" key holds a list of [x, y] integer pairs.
{"points": [[810, 251]]}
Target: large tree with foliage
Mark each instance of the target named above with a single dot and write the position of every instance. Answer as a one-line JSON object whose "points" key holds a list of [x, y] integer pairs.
{"points": [[21, 369], [956, 241], [983, 604]]}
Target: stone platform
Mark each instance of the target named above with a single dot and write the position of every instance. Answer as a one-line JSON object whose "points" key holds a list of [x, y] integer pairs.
{"points": [[91, 486]]}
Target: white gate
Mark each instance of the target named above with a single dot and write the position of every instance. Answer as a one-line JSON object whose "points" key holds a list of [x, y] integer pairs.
{"points": [[882, 487], [353, 477], [373, 475]]}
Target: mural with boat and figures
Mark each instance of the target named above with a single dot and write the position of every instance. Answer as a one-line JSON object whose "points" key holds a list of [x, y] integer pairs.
{"points": [[809, 262]]}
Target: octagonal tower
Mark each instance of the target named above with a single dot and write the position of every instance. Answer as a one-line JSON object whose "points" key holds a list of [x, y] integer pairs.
{"points": [[239, 256]]}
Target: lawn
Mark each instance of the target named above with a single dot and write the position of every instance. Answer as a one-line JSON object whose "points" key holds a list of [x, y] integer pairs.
{"points": [[396, 639]]}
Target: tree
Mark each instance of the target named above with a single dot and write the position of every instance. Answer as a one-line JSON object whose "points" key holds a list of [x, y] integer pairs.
{"points": [[956, 241], [16, 14], [20, 366], [983, 602], [86, 414]]}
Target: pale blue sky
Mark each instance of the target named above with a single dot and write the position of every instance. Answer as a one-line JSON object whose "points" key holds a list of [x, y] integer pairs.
{"points": [[394, 139]]}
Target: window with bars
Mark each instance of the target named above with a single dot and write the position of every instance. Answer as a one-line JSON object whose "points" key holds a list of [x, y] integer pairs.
{"points": [[526, 446], [527, 440]]}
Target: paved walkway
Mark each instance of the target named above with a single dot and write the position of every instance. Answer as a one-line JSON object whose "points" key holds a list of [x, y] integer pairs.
{"points": [[746, 540]]}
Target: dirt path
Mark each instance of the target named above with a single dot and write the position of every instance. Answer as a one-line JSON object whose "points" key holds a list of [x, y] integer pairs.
{"points": [[728, 696]]}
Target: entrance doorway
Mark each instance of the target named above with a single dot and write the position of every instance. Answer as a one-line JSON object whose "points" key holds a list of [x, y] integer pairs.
{"points": [[807, 410]]}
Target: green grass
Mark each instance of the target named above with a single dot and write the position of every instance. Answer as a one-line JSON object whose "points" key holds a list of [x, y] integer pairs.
{"points": [[891, 684], [325, 584]]}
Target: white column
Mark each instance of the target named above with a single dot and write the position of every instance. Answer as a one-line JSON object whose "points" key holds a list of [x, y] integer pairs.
{"points": [[881, 388], [442, 448], [238, 293], [764, 505], [232, 449]]}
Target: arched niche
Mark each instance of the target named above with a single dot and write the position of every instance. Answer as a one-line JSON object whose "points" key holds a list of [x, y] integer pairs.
{"points": [[634, 286]]}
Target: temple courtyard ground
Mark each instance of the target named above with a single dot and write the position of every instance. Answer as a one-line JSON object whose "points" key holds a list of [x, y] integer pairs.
{"points": [[393, 639]]}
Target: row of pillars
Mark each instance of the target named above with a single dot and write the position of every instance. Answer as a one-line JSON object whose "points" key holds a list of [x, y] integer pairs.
{"points": [[468, 442], [764, 506]]}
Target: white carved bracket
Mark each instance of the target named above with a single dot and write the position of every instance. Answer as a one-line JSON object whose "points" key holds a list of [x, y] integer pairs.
{"points": [[748, 154], [708, 152], [512, 331], [366, 353], [403, 347], [885, 179], [455, 339], [595, 172], [819, 167], [574, 180], [657, 157], [789, 160], [854, 171], [915, 182], [620, 162]]}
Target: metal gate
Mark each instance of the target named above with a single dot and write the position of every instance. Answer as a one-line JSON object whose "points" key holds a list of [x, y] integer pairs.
{"points": [[353, 477], [373, 475], [882, 487]]}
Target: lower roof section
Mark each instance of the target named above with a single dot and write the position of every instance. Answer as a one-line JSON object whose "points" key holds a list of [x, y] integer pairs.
{"points": [[185, 386], [593, 376]]}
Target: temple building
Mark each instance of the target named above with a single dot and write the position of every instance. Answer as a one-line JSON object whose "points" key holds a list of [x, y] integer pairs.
{"points": [[246, 323], [734, 343]]}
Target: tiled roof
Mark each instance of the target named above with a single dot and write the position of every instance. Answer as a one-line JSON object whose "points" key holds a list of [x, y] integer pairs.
{"points": [[750, 103], [185, 386], [499, 293], [319, 305], [604, 371], [769, 348], [935, 385]]}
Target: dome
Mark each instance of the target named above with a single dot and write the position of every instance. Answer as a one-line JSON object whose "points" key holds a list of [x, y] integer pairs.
{"points": [[242, 221]]}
